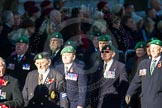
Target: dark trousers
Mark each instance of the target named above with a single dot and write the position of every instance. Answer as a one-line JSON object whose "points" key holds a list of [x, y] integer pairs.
{"points": [[111, 101]]}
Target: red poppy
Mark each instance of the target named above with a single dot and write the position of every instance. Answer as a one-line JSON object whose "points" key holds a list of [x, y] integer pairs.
{"points": [[159, 65], [51, 80], [3, 82], [71, 69], [3, 106]]}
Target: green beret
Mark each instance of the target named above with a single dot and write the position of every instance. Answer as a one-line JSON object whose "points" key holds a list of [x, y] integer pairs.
{"points": [[140, 44], [42, 55], [56, 35], [68, 49], [70, 43], [156, 42], [97, 34], [23, 39], [104, 38], [109, 47], [153, 38]]}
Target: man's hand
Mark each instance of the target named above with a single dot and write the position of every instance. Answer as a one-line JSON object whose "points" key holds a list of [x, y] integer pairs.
{"points": [[127, 99], [79, 107]]}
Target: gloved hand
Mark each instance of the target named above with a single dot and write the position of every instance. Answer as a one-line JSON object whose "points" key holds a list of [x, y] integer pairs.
{"points": [[127, 99]]}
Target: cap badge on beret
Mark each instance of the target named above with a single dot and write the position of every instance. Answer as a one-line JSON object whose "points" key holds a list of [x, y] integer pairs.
{"points": [[21, 40], [141, 45], [40, 56]]}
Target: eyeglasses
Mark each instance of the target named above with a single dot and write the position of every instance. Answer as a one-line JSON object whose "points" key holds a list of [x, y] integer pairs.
{"points": [[105, 51]]}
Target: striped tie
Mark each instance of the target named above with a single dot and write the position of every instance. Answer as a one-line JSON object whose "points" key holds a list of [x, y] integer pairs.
{"points": [[152, 67], [40, 79]]}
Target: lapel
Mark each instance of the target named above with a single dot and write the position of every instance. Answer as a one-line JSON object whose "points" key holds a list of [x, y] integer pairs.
{"points": [[113, 67], [157, 68], [49, 79], [71, 69], [35, 78]]}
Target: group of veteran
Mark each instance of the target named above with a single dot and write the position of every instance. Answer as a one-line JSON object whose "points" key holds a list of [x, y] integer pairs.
{"points": [[69, 85], [149, 78]]}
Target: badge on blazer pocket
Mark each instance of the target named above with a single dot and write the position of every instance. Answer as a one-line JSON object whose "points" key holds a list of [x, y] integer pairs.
{"points": [[142, 72], [53, 95], [11, 66], [26, 67]]}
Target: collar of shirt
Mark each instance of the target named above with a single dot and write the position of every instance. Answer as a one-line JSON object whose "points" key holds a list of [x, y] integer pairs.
{"points": [[20, 55], [157, 59], [108, 64], [68, 67]]}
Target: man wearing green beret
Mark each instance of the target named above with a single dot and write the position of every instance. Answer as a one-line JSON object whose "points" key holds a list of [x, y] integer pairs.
{"points": [[56, 43], [148, 77], [21, 62], [131, 66], [95, 37], [104, 40], [75, 76], [114, 75], [70, 43], [44, 85], [147, 46]]}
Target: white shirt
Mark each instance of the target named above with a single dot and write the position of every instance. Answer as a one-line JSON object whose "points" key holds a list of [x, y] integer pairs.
{"points": [[68, 66], [108, 67], [45, 74]]}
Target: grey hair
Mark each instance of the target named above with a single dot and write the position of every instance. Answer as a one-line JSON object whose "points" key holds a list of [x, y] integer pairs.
{"points": [[3, 61], [7, 15]]}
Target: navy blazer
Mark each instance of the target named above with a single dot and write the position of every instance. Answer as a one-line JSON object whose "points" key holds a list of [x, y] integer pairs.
{"points": [[151, 85], [76, 90]]}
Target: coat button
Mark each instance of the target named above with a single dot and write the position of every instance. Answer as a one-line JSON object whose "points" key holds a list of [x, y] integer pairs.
{"points": [[46, 96], [42, 104], [33, 102], [31, 94]]}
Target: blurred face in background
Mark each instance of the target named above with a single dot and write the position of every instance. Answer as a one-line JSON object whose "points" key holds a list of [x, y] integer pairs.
{"points": [[130, 23], [140, 52], [55, 44], [101, 44], [17, 19], [95, 41], [148, 50], [55, 16], [21, 48]]}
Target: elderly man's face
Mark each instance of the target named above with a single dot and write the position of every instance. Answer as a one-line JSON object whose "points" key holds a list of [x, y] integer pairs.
{"points": [[140, 52], [107, 55], [42, 64], [155, 50], [102, 44], [55, 44], [2, 68], [68, 58], [21, 48]]}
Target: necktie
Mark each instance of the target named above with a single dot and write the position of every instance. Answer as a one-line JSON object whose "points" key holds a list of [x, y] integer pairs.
{"points": [[19, 58], [152, 66], [40, 79], [66, 69], [104, 68]]}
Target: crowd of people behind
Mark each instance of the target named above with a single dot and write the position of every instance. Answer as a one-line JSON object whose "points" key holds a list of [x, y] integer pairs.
{"points": [[55, 57]]}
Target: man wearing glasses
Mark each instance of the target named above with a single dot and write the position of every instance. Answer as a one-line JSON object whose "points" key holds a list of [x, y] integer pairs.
{"points": [[114, 79]]}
